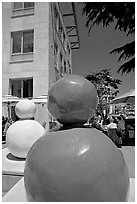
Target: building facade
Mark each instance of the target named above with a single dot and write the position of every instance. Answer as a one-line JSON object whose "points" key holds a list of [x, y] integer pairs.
{"points": [[38, 38]]}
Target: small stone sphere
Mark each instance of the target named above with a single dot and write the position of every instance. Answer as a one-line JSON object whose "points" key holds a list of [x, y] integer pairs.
{"points": [[72, 99], [25, 109], [21, 135], [76, 165]]}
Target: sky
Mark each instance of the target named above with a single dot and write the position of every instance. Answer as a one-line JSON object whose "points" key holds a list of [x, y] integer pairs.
{"points": [[94, 52]]}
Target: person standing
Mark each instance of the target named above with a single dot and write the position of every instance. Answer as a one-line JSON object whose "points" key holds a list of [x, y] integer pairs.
{"points": [[114, 133], [7, 125], [121, 125], [111, 124]]}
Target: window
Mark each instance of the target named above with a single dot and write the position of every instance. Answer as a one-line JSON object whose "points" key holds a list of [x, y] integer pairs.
{"points": [[22, 88], [22, 5], [63, 38], [28, 4], [61, 65], [56, 73], [61, 58], [22, 43], [68, 48], [69, 68], [17, 5], [23, 8], [55, 49], [60, 29], [56, 54], [56, 18], [70, 71], [27, 41], [65, 67]]}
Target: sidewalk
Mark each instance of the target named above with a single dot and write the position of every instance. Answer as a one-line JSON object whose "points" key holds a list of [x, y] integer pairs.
{"points": [[129, 155]]}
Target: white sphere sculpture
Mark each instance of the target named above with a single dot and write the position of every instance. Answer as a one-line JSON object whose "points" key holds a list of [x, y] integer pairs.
{"points": [[21, 135], [25, 109]]}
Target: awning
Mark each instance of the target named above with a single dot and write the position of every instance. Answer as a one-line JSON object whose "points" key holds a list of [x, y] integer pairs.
{"points": [[69, 17], [128, 97]]}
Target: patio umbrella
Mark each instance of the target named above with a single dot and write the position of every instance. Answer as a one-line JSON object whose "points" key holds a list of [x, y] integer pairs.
{"points": [[128, 97], [8, 100], [40, 99]]}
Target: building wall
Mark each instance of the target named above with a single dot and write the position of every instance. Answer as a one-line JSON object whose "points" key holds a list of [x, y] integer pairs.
{"points": [[38, 68], [42, 67], [54, 38]]}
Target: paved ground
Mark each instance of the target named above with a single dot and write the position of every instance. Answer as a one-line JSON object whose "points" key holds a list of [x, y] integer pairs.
{"points": [[129, 155]]}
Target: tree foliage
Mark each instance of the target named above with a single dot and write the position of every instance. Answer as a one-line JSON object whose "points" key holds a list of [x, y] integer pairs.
{"points": [[122, 14], [106, 86]]}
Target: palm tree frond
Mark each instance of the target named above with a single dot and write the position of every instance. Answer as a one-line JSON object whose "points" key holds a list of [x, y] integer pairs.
{"points": [[126, 51], [127, 67]]}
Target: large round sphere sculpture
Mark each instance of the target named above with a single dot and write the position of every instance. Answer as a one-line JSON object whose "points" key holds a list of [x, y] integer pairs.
{"points": [[25, 109], [76, 165], [72, 99], [21, 135]]}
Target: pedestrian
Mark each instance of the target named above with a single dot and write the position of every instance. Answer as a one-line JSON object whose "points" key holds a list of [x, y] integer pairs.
{"points": [[114, 133], [99, 121], [96, 123], [44, 124], [9, 122], [112, 123], [121, 125], [3, 123]]}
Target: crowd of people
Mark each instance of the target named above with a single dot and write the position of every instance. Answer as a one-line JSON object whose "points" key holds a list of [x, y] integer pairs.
{"points": [[113, 127], [6, 122]]}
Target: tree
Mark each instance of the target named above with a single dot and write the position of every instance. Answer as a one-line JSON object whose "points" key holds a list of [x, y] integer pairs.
{"points": [[107, 88], [123, 15]]}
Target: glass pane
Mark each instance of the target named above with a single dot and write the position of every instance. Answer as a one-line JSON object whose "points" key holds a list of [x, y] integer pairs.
{"points": [[61, 69], [27, 88], [28, 4], [18, 5], [69, 71], [55, 49], [16, 46], [55, 13], [28, 41], [60, 57], [65, 68], [56, 74], [16, 88]]}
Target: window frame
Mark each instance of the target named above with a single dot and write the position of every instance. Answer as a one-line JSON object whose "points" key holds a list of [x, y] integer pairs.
{"points": [[65, 67], [15, 11], [21, 81], [12, 54], [23, 8]]}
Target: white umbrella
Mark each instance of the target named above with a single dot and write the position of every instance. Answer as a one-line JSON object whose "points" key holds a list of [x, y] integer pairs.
{"points": [[9, 100], [40, 99], [128, 97]]}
